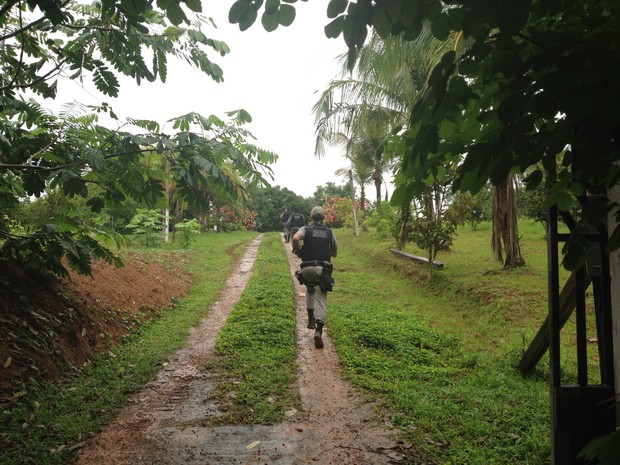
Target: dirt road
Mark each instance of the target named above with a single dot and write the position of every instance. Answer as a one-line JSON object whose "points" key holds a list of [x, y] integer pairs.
{"points": [[162, 424]]}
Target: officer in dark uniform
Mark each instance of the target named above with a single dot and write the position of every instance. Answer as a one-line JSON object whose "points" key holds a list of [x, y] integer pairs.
{"points": [[295, 221], [319, 245], [286, 214]]}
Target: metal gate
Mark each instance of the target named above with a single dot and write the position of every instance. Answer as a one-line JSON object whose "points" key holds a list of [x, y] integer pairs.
{"points": [[580, 412]]}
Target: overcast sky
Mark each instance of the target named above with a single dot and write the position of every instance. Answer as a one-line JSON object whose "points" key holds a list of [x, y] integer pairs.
{"points": [[277, 77]]}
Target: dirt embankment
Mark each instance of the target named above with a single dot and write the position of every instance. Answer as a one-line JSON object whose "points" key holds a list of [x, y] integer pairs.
{"points": [[47, 326]]}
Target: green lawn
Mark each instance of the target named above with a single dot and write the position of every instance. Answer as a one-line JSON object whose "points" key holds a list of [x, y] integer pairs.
{"points": [[440, 356]]}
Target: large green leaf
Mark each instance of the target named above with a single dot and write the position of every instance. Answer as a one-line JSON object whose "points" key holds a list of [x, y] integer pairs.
{"points": [[248, 19], [270, 21], [272, 6], [440, 27], [381, 22], [287, 15], [176, 15], [334, 28], [238, 10], [336, 7], [194, 5]]}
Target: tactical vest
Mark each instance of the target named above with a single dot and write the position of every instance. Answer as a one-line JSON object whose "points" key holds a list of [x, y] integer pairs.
{"points": [[297, 220], [317, 243]]}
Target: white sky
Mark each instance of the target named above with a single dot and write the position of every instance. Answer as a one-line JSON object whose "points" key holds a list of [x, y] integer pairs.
{"points": [[277, 77]]}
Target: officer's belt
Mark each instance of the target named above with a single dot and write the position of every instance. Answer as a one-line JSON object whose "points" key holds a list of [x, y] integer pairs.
{"points": [[314, 263]]}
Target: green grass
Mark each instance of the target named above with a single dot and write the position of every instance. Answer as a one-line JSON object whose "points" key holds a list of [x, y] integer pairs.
{"points": [[52, 418], [440, 356], [257, 345]]}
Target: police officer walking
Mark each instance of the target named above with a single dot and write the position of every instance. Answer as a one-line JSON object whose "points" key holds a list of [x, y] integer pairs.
{"points": [[295, 221], [286, 214], [319, 245]]}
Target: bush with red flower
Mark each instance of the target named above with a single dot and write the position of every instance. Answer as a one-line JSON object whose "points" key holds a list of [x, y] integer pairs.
{"points": [[337, 211], [250, 220], [234, 217]]}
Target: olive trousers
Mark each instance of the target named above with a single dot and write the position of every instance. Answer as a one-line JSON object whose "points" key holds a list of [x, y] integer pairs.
{"points": [[316, 299]]}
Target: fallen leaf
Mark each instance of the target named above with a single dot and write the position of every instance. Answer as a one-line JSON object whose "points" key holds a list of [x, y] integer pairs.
{"points": [[56, 450], [77, 446], [8, 361], [252, 445]]}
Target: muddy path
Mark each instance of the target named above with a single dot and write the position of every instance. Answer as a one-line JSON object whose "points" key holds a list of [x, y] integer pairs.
{"points": [[162, 424]]}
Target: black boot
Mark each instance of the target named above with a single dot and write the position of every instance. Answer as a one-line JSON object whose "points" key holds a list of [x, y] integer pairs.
{"points": [[311, 322], [318, 335]]}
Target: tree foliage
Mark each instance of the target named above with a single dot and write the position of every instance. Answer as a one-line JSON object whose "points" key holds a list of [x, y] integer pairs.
{"points": [[470, 208], [42, 41], [270, 202], [323, 193], [148, 224], [536, 79]]}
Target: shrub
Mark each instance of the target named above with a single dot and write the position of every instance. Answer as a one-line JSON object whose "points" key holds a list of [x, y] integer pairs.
{"points": [[337, 209], [384, 220], [187, 231], [149, 224]]}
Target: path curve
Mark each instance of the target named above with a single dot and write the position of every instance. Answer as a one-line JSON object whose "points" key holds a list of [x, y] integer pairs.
{"points": [[162, 424]]}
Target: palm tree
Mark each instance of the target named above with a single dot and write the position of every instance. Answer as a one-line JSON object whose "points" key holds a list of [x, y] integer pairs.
{"points": [[366, 109]]}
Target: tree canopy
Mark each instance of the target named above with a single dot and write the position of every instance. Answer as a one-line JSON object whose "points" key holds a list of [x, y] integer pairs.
{"points": [[42, 41], [536, 81]]}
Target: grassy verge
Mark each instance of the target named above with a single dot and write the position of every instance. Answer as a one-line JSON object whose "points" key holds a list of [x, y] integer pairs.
{"points": [[440, 356], [51, 421], [257, 367]]}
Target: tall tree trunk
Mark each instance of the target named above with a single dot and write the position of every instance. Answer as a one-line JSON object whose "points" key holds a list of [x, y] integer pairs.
{"points": [[431, 212], [357, 233], [405, 216], [166, 226], [362, 197], [505, 238], [378, 179]]}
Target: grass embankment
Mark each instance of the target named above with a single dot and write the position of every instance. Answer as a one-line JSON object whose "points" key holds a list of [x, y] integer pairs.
{"points": [[257, 367], [51, 420], [440, 356]]}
